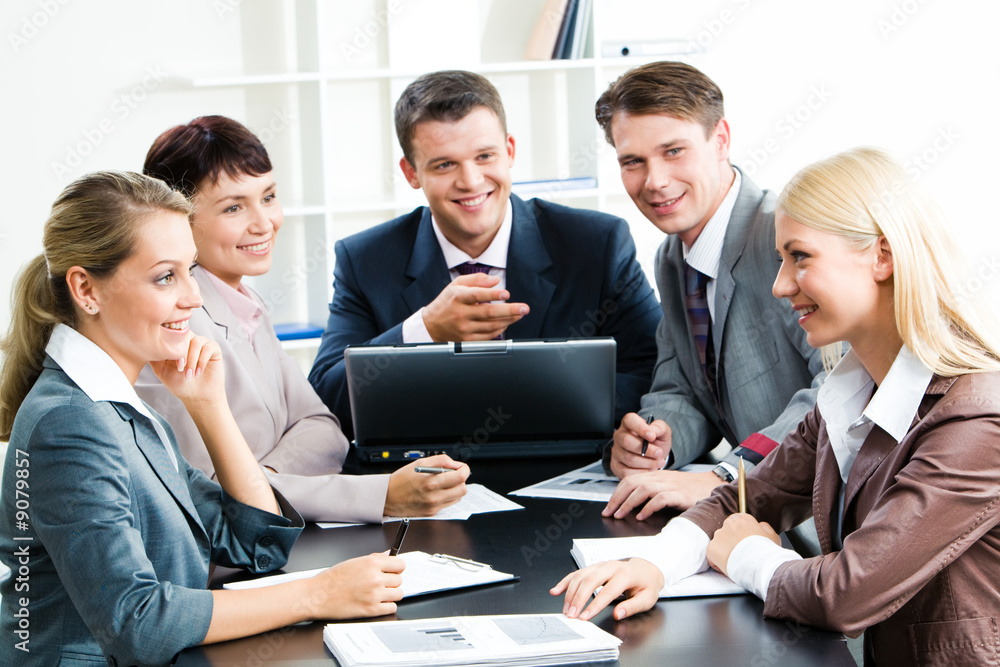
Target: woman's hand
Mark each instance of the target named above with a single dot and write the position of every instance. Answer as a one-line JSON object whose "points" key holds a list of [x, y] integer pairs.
{"points": [[735, 529], [357, 588], [638, 579], [412, 493], [197, 378]]}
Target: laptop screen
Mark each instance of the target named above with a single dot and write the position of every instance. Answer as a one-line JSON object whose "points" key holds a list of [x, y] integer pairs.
{"points": [[482, 399]]}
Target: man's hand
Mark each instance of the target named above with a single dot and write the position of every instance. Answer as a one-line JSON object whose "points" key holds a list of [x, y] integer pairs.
{"points": [[463, 310], [659, 489], [735, 529], [626, 452]]}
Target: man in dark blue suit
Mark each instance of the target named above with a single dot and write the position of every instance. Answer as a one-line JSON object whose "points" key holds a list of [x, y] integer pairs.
{"points": [[478, 262]]}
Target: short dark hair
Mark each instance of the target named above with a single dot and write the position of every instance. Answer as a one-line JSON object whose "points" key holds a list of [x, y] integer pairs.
{"points": [[670, 88], [445, 96], [184, 156]]}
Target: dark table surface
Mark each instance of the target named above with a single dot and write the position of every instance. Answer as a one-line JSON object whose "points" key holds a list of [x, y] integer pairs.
{"points": [[534, 544]]}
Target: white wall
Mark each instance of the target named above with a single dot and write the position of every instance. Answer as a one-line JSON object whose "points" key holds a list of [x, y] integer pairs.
{"points": [[918, 77]]}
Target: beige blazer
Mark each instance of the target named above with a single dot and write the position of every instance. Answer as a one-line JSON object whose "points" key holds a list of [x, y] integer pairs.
{"points": [[284, 422], [918, 569]]}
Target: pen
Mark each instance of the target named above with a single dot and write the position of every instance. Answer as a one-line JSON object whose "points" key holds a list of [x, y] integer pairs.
{"points": [[743, 488], [431, 471], [400, 534], [645, 443]]}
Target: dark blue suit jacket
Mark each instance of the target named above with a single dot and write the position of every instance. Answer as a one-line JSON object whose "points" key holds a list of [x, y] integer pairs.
{"points": [[575, 269]]}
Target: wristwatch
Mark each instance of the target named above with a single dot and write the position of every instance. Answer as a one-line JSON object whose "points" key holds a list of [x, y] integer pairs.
{"points": [[723, 473]]}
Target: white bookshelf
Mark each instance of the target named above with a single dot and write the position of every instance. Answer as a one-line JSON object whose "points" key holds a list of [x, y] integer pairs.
{"points": [[337, 70]]}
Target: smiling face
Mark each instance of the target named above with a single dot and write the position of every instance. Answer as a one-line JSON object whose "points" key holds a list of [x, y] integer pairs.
{"points": [[143, 308], [463, 167], [837, 292], [235, 224], [675, 175]]}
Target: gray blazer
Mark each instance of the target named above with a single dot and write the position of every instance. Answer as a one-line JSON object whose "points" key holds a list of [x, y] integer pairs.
{"points": [[110, 559], [768, 375], [286, 425]]}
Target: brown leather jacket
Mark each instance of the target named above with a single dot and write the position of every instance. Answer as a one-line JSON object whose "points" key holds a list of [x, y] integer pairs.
{"points": [[920, 566]]}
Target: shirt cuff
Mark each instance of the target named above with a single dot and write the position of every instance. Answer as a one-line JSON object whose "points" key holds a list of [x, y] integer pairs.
{"points": [[753, 562], [682, 551], [414, 329]]}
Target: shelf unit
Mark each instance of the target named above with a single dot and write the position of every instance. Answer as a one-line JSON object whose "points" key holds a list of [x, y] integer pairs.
{"points": [[320, 81]]}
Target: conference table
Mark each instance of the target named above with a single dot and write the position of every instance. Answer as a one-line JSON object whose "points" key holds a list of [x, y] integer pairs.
{"points": [[534, 544]]}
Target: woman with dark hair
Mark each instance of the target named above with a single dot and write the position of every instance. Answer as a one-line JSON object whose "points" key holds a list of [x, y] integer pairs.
{"points": [[108, 530], [225, 171]]}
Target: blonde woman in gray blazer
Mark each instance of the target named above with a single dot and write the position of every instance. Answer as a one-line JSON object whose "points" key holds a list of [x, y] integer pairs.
{"points": [[225, 171]]}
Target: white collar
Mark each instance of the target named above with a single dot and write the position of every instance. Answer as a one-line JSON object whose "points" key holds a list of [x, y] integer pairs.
{"points": [[97, 374], [842, 398], [495, 255], [706, 252]]}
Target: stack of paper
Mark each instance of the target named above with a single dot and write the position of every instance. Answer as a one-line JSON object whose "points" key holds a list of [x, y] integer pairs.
{"points": [[590, 551], [425, 573], [529, 639]]}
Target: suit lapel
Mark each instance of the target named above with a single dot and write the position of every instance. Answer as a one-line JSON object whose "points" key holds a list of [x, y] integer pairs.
{"points": [[265, 383], [737, 233], [873, 452], [527, 262], [156, 455], [826, 495], [426, 268]]}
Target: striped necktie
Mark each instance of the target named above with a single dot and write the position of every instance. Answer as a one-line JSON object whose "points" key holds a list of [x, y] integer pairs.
{"points": [[696, 304], [472, 267]]}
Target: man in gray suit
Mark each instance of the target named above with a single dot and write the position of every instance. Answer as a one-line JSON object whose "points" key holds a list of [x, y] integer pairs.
{"points": [[732, 360]]}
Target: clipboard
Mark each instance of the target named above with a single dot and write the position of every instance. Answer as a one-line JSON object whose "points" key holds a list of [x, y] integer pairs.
{"points": [[424, 574]]}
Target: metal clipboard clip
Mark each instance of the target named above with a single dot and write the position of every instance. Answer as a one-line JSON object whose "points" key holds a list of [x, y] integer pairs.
{"points": [[461, 563]]}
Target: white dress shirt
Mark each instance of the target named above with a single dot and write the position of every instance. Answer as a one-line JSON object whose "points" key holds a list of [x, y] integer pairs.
{"points": [[706, 252], [98, 376], [414, 329]]}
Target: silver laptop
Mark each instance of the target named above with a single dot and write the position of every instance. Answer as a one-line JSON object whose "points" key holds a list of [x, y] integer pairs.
{"points": [[491, 399]]}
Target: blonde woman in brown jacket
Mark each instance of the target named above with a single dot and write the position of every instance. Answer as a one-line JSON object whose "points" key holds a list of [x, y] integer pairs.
{"points": [[899, 463]]}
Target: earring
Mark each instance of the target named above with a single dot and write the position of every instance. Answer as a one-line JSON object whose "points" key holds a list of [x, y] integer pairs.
{"points": [[92, 309]]}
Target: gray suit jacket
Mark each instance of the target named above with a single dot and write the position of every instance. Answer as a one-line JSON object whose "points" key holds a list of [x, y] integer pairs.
{"points": [[286, 425], [768, 375], [110, 559]]}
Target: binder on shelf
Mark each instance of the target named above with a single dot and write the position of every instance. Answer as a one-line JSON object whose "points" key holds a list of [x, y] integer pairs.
{"points": [[298, 330], [581, 28], [660, 47], [546, 33], [563, 41]]}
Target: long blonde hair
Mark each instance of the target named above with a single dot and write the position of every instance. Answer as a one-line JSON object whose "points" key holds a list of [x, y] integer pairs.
{"points": [[94, 224], [864, 193]]}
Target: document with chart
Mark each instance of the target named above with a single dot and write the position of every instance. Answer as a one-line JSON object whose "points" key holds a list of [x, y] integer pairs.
{"points": [[526, 639], [425, 573], [586, 483]]}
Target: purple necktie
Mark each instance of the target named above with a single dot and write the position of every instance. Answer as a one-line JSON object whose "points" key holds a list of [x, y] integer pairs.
{"points": [[472, 267], [696, 304]]}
